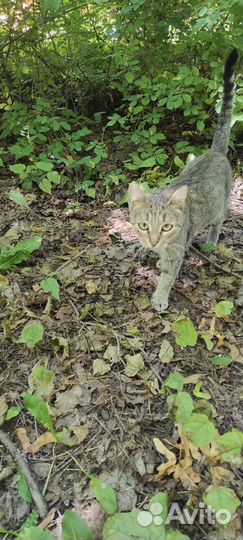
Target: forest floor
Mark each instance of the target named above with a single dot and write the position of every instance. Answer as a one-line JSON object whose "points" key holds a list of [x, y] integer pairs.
{"points": [[102, 319]]}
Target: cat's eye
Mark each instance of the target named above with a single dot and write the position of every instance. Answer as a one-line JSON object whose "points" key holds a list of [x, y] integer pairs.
{"points": [[143, 226], [167, 227]]}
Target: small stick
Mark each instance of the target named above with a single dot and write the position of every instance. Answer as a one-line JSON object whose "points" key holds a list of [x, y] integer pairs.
{"points": [[216, 265], [66, 263], [34, 490]]}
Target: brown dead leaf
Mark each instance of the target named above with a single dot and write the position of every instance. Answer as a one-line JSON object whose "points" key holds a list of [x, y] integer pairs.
{"points": [[32, 448], [221, 475], [48, 520], [235, 352], [3, 408], [193, 379], [164, 451], [100, 367], [188, 477]]}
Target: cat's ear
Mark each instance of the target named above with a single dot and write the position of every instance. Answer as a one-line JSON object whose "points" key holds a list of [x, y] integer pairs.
{"points": [[179, 197], [136, 195]]}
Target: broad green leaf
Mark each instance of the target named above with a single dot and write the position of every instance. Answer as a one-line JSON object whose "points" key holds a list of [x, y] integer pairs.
{"points": [[207, 338], [174, 534], [39, 409], [129, 77], [200, 429], [12, 412], [18, 198], [45, 166], [137, 525], [184, 404], [18, 168], [230, 447], [223, 308], [166, 352], [134, 364], [104, 494], [221, 361], [198, 394], [185, 333], [54, 177], [31, 334], [35, 533], [208, 248], [19, 253], [147, 163], [45, 185], [74, 527], [51, 285], [23, 489], [222, 498], [41, 381], [175, 381]]}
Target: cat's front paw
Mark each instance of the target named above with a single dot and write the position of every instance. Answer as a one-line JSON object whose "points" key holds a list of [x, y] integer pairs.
{"points": [[159, 303]]}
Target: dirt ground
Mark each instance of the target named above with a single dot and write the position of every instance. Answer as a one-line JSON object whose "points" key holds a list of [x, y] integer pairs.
{"points": [[104, 315]]}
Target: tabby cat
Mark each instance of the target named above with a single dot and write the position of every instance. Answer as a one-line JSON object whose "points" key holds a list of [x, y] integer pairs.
{"points": [[168, 220]]}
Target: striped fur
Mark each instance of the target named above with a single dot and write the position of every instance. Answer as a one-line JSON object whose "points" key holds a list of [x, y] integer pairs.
{"points": [[221, 137]]}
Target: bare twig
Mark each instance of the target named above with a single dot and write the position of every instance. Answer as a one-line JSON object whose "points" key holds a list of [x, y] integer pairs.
{"points": [[24, 467], [216, 265]]}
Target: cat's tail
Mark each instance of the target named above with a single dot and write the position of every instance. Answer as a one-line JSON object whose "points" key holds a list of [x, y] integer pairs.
{"points": [[221, 136]]}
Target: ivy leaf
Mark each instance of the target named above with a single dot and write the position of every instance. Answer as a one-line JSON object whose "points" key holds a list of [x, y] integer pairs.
{"points": [[51, 285], [18, 168], [39, 409], [54, 177], [45, 185], [222, 498], [200, 429], [17, 197], [31, 334], [129, 77], [230, 446], [74, 527], [185, 333], [223, 308], [104, 494]]}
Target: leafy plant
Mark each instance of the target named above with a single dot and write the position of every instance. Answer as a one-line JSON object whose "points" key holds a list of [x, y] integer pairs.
{"points": [[19, 253]]}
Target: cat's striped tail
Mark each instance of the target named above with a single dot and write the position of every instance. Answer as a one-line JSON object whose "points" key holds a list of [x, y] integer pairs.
{"points": [[221, 136]]}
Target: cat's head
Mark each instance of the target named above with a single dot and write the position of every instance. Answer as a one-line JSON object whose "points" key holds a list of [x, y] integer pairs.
{"points": [[157, 223]]}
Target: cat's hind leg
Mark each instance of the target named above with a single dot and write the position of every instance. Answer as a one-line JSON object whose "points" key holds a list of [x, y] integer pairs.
{"points": [[215, 228]]}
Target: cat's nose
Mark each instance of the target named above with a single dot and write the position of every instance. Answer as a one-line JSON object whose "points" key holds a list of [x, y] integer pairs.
{"points": [[154, 240]]}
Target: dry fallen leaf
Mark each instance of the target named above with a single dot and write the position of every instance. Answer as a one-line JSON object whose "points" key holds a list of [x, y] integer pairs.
{"points": [[166, 352], [100, 367], [221, 475], [32, 448]]}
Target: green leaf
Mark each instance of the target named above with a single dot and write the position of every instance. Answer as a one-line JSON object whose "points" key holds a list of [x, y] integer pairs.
{"points": [[45, 185], [223, 308], [12, 412], [129, 77], [176, 535], [150, 162], [51, 285], [31, 334], [207, 338], [200, 430], [221, 361], [90, 192], [54, 177], [198, 394], [45, 166], [104, 494], [23, 489], [185, 333], [222, 498], [175, 381], [19, 253], [35, 533], [74, 527], [230, 447], [18, 168], [41, 381], [137, 524], [18, 198], [39, 409], [185, 406], [208, 248]]}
